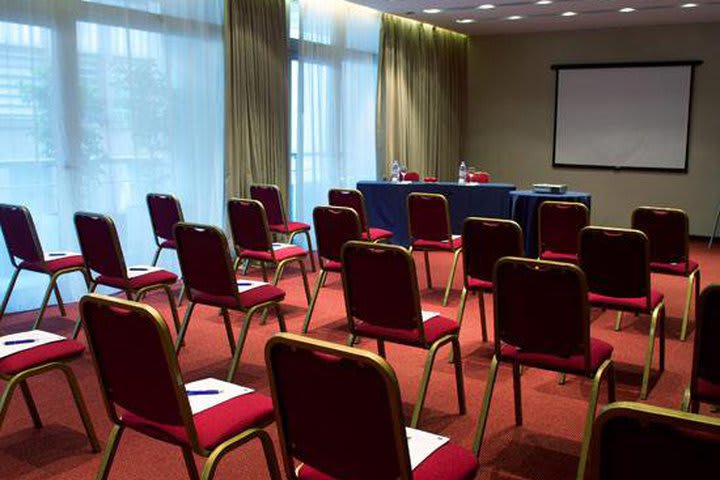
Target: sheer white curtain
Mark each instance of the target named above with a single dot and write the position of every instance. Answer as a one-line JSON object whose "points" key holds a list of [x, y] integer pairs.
{"points": [[334, 91], [101, 102]]}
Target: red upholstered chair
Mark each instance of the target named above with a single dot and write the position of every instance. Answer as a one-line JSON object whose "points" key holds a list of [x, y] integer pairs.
{"points": [[559, 225], [429, 227], [542, 320], [334, 226], [104, 257], [352, 426], [485, 241], [615, 261], [26, 253], [144, 390], [382, 302], [411, 177], [16, 367], [478, 177], [351, 198], [668, 233], [252, 240], [430, 180], [633, 440], [705, 377], [210, 280], [165, 212], [271, 199]]}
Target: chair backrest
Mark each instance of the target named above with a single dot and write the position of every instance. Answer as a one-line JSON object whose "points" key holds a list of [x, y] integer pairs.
{"points": [[249, 225], [412, 177], [351, 198], [165, 212], [428, 216], [559, 225], [381, 286], [335, 226], [632, 440], [487, 240], [205, 261], [271, 199], [135, 361], [100, 244], [615, 262], [21, 238], [351, 426], [542, 307], [668, 234], [706, 355]]}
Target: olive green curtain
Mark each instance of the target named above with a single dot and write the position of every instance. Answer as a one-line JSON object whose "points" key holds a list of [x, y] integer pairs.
{"points": [[421, 97], [256, 95]]}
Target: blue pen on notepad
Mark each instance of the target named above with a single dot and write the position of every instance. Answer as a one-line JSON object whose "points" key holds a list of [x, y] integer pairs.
{"points": [[138, 269], [244, 284], [56, 254], [19, 342], [204, 392]]}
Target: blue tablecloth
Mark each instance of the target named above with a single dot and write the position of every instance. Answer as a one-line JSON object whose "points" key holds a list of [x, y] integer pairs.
{"points": [[386, 203], [525, 204]]}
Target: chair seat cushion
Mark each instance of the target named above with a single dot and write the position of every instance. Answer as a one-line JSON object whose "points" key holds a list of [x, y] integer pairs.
{"points": [[433, 245], [280, 254], [377, 234], [559, 257], [156, 277], [52, 266], [248, 299], [708, 391], [169, 244], [40, 355], [332, 266], [214, 425], [291, 227], [449, 462], [638, 304], [599, 352], [435, 328], [477, 284], [674, 268]]}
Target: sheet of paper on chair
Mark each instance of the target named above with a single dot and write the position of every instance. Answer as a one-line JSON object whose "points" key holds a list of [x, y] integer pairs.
{"points": [[56, 255], [427, 315], [422, 444], [139, 270], [280, 246], [456, 236], [245, 285], [19, 342], [211, 392]]}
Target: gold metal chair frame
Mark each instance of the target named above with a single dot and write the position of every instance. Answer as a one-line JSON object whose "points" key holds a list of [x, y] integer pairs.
{"points": [[432, 348], [213, 456], [131, 294], [657, 315], [363, 219], [362, 357], [693, 278], [607, 369], [291, 235], [579, 205], [52, 286], [456, 252], [644, 412], [236, 348], [320, 282], [20, 380], [158, 243]]}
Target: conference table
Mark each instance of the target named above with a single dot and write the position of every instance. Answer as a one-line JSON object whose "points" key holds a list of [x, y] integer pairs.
{"points": [[524, 210], [386, 203]]}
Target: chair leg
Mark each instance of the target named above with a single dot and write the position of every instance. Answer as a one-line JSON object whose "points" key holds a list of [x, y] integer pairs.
{"points": [[451, 278], [306, 285], [81, 407], [517, 394], [688, 299], [280, 317], [381, 348], [240, 343], [6, 298], [78, 321], [46, 299], [181, 294], [351, 340], [422, 393], [606, 368], [650, 350], [618, 321], [30, 402], [461, 313], [311, 307], [685, 405], [310, 250], [484, 413], [715, 227], [190, 463], [245, 265], [483, 315], [180, 340], [459, 378], [173, 307], [228, 330], [156, 257], [263, 268], [279, 270], [110, 451], [58, 297], [427, 270], [237, 441]]}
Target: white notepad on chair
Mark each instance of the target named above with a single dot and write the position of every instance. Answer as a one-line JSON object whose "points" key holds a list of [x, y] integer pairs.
{"points": [[140, 270], [422, 444], [279, 246], [427, 315], [245, 285], [210, 392], [49, 256], [19, 342]]}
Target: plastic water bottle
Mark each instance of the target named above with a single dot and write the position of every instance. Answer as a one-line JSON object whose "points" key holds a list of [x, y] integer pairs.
{"points": [[395, 172], [462, 173]]}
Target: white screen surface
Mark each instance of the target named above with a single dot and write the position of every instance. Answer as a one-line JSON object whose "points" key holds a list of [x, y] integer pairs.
{"points": [[623, 117]]}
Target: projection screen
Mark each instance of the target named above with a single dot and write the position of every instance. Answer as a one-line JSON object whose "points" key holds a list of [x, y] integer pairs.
{"points": [[623, 115]]}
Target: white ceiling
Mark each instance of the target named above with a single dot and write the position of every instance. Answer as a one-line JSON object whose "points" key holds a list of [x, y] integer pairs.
{"points": [[590, 14]]}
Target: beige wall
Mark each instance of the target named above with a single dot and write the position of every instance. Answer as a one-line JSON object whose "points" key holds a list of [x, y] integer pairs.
{"points": [[511, 108]]}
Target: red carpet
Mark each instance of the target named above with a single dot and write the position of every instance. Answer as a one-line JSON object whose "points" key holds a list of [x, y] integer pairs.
{"points": [[546, 447]]}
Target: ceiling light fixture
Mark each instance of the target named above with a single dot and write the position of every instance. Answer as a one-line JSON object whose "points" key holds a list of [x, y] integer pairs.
{"points": [[543, 2], [464, 20], [626, 10], [689, 5], [515, 17], [486, 6], [432, 10], [569, 14]]}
